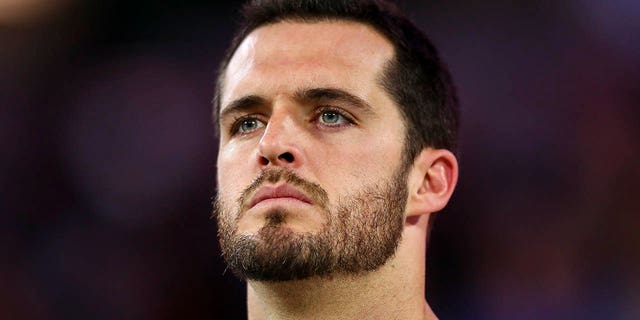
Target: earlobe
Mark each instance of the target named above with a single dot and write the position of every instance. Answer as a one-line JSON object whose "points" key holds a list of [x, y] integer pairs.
{"points": [[432, 180]]}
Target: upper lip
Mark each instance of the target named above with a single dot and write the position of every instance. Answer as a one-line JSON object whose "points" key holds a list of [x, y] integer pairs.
{"points": [[281, 191]]}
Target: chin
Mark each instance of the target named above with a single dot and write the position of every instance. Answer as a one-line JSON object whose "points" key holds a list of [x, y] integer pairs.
{"points": [[285, 220]]}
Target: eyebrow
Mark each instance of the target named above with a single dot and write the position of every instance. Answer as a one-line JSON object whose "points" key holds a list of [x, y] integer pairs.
{"points": [[332, 94], [242, 105], [250, 102]]}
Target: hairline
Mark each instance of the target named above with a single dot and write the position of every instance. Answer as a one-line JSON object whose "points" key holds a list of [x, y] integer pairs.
{"points": [[382, 75], [380, 78]]}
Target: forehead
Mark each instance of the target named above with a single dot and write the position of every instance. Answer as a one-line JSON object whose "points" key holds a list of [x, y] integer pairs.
{"points": [[286, 56]]}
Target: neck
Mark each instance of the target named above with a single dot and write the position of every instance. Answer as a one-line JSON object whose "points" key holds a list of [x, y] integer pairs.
{"points": [[393, 291]]}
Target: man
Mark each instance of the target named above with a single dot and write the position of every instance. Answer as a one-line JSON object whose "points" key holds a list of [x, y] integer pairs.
{"points": [[337, 131]]}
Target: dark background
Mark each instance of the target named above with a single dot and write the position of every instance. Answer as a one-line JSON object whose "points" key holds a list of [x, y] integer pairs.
{"points": [[107, 160]]}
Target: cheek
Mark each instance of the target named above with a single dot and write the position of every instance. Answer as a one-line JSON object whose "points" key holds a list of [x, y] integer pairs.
{"points": [[367, 151], [233, 173], [347, 166]]}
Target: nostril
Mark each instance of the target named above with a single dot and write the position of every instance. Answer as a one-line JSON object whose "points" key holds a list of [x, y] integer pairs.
{"points": [[264, 161], [288, 157]]}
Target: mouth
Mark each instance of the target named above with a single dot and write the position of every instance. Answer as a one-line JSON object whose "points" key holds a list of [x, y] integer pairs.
{"points": [[283, 192]]}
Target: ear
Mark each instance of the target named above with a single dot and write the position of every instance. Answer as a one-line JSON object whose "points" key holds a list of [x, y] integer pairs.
{"points": [[432, 178]]}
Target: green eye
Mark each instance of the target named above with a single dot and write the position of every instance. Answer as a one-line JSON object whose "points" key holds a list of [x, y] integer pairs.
{"points": [[249, 125], [333, 118], [330, 117]]}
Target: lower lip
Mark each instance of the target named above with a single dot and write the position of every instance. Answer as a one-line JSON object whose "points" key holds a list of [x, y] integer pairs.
{"points": [[280, 201]]}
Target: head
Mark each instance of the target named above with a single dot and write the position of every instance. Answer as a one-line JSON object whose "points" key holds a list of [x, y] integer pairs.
{"points": [[325, 109]]}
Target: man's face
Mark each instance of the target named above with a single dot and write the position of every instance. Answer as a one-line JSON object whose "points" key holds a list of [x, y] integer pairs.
{"points": [[310, 179]]}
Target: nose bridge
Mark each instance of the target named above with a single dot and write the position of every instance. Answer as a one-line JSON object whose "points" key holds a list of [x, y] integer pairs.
{"points": [[279, 121], [279, 127], [280, 141]]}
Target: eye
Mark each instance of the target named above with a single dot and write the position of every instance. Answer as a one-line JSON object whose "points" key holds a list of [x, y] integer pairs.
{"points": [[333, 118], [246, 125], [330, 117]]}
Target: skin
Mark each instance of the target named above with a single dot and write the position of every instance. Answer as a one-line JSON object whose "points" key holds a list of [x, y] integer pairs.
{"points": [[341, 149]]}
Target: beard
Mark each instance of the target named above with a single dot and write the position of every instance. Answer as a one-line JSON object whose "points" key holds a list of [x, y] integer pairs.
{"points": [[360, 233]]}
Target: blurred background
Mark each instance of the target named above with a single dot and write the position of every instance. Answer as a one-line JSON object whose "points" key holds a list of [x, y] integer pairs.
{"points": [[107, 160]]}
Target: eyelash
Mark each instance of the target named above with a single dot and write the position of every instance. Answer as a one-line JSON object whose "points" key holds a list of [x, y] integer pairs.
{"points": [[323, 109], [237, 122]]}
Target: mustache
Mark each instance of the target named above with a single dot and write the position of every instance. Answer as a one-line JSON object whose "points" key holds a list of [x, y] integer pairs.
{"points": [[273, 175]]}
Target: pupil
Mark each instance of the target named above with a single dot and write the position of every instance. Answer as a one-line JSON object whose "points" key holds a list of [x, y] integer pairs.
{"points": [[248, 125], [330, 117]]}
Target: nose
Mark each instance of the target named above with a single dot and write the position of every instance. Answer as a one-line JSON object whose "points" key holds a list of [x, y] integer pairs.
{"points": [[280, 144]]}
